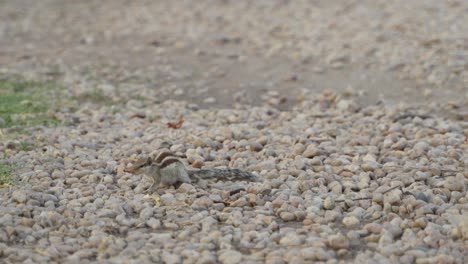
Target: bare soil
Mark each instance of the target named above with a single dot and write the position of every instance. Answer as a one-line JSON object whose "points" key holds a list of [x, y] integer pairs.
{"points": [[398, 51]]}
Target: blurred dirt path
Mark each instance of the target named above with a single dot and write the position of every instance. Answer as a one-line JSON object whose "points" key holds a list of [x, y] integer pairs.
{"points": [[216, 52]]}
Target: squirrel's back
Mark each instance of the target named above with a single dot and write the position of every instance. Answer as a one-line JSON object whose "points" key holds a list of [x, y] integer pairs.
{"points": [[225, 174]]}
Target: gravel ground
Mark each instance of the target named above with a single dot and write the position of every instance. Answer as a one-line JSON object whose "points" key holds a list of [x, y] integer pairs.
{"points": [[379, 184], [364, 175]]}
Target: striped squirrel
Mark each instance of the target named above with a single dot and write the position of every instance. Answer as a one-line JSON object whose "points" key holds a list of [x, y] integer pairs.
{"points": [[169, 169]]}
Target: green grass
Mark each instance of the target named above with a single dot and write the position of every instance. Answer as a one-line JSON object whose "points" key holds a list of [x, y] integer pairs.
{"points": [[5, 175], [24, 103], [25, 146], [95, 96]]}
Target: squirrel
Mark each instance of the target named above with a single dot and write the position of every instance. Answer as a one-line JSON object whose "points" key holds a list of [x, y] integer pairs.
{"points": [[169, 169]]}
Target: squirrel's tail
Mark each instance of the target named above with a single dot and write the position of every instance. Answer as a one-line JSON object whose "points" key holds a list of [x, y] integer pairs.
{"points": [[225, 174]]}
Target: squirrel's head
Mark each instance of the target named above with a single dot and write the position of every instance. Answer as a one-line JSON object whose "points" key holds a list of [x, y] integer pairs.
{"points": [[139, 166]]}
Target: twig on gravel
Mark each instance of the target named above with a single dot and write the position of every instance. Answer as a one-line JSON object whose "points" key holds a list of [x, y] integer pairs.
{"points": [[355, 199], [390, 189], [176, 125]]}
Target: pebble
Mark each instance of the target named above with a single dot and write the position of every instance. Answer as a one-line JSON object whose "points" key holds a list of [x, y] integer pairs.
{"points": [[338, 242], [19, 196], [455, 184], [108, 179], [351, 221], [265, 165], [292, 239], [6, 220], [186, 188], [146, 213], [79, 174], [168, 199], [178, 91], [209, 100], [170, 258], [393, 197], [153, 223], [203, 202], [311, 151], [315, 254], [230, 256], [373, 228], [241, 202], [57, 174]]}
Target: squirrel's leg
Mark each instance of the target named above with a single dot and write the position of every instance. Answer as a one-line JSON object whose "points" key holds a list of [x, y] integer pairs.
{"points": [[152, 187], [184, 176], [155, 184]]}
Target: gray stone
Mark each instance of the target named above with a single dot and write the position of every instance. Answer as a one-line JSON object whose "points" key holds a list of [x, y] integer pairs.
{"points": [[19, 196], [338, 242], [230, 257]]}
